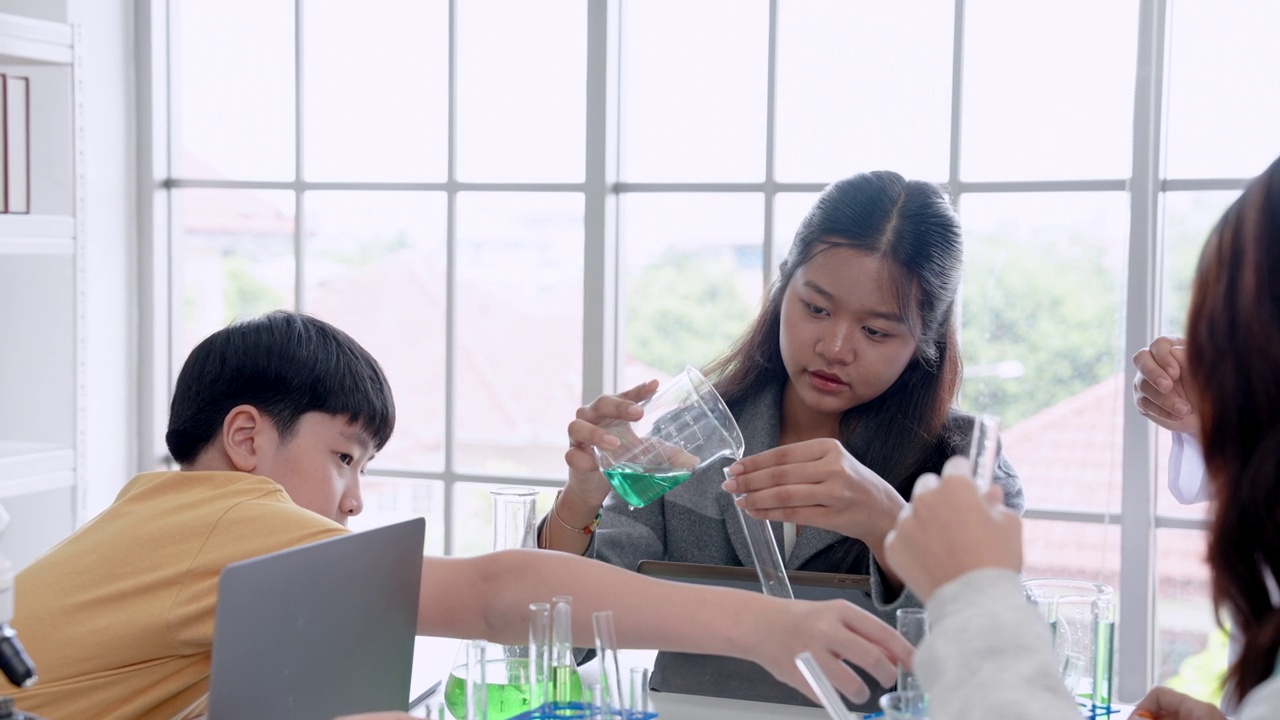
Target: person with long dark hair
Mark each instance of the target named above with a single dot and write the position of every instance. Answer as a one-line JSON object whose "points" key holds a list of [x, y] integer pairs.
{"points": [[963, 555], [844, 387]]}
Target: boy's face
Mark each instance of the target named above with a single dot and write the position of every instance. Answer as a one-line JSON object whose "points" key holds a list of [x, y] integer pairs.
{"points": [[320, 465]]}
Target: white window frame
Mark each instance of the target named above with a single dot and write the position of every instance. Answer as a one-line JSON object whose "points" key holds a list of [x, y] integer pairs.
{"points": [[158, 261]]}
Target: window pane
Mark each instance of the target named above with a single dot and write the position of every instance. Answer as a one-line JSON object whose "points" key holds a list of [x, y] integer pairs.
{"points": [[693, 89], [472, 521], [1083, 551], [375, 267], [393, 500], [1223, 95], [234, 258], [1189, 217], [692, 273], [522, 77], [375, 90], [518, 354], [1191, 650], [863, 86], [232, 85], [1043, 312], [788, 210], [1048, 90]]}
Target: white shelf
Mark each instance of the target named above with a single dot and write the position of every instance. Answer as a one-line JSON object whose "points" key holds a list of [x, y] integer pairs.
{"points": [[31, 467], [37, 234], [26, 41]]}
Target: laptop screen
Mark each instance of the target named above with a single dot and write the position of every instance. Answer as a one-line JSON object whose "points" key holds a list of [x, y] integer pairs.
{"points": [[320, 630]]}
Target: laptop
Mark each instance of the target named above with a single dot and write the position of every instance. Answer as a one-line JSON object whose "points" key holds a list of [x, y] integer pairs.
{"points": [[719, 676], [320, 630]]}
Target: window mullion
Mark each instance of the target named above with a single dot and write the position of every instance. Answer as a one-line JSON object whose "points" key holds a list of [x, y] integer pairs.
{"points": [[1137, 505]]}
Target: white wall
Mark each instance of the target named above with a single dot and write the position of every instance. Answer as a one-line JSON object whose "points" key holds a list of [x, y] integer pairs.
{"points": [[110, 145]]}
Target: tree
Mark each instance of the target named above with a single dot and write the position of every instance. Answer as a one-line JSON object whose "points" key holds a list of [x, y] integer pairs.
{"points": [[1053, 307], [685, 309]]}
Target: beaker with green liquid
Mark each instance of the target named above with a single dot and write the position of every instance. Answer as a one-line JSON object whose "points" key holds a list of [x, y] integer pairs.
{"points": [[506, 667], [685, 427]]}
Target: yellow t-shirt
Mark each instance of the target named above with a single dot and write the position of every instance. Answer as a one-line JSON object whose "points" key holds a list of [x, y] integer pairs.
{"points": [[118, 618]]}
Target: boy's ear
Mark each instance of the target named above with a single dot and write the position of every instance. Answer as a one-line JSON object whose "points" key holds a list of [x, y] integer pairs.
{"points": [[244, 437]]}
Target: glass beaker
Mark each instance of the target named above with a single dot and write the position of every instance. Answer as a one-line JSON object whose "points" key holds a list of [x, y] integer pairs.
{"points": [[905, 705], [507, 674], [1081, 617], [686, 425]]}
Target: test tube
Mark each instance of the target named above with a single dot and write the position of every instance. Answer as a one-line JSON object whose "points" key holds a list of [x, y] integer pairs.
{"points": [[477, 691], [822, 687], [913, 626], [982, 449], [765, 554], [598, 709], [639, 693], [607, 651], [539, 654], [562, 652]]}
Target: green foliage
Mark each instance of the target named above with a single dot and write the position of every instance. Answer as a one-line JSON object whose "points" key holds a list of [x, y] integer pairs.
{"points": [[1054, 307], [685, 309]]}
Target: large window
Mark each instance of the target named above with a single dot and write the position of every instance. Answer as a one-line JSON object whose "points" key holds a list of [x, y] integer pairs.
{"points": [[517, 206]]}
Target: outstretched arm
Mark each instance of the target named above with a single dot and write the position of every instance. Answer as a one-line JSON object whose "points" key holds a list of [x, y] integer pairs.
{"points": [[489, 596]]}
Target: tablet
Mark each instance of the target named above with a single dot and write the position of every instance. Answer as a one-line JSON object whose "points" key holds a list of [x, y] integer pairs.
{"points": [[725, 677], [806, 584]]}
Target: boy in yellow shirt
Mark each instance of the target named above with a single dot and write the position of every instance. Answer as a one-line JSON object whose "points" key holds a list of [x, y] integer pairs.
{"points": [[273, 422]]}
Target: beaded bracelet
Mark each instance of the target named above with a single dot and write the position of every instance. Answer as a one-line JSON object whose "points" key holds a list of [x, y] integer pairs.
{"points": [[585, 530]]}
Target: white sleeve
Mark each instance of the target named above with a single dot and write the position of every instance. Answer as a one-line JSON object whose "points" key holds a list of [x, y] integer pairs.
{"points": [[1187, 479], [988, 653]]}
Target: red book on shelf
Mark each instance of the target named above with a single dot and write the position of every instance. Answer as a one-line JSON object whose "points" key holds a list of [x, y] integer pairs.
{"points": [[17, 144]]}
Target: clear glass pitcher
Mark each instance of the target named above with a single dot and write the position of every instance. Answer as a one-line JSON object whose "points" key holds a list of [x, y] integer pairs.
{"points": [[506, 677], [1081, 617]]}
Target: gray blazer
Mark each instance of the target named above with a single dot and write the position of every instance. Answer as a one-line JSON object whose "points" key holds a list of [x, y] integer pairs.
{"points": [[697, 522]]}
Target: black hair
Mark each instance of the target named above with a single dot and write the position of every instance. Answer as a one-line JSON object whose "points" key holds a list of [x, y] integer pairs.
{"points": [[911, 224], [1233, 352], [285, 364]]}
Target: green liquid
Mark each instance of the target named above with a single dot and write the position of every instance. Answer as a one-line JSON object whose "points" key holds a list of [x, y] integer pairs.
{"points": [[506, 688], [640, 486], [1104, 633]]}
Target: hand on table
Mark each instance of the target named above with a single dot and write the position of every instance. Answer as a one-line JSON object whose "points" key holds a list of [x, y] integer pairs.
{"points": [[818, 483], [949, 530], [1163, 703], [1158, 391]]}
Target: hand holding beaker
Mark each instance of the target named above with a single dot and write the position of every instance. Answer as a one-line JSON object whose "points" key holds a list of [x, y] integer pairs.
{"points": [[683, 427]]}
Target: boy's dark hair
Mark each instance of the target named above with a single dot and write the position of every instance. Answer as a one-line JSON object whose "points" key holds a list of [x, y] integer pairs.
{"points": [[285, 364]]}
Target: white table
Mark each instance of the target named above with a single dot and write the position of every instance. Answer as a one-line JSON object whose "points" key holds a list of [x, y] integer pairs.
{"points": [[433, 658]]}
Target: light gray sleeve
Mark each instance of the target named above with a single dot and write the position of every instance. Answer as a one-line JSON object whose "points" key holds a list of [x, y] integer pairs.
{"points": [[988, 653]]}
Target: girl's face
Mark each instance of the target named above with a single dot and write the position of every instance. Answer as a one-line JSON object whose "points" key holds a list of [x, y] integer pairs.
{"points": [[842, 337]]}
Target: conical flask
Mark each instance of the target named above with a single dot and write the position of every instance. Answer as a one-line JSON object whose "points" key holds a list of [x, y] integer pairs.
{"points": [[507, 676]]}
